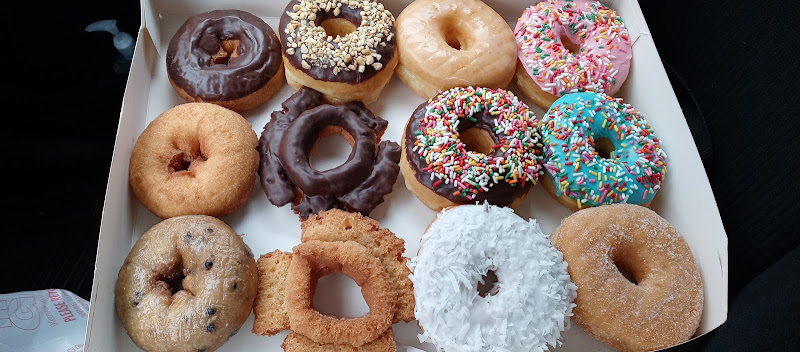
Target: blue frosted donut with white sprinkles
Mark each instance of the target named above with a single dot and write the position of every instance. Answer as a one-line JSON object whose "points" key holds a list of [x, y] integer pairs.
{"points": [[599, 150]]}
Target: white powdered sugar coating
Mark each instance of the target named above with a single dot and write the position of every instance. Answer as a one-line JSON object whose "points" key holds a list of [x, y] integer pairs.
{"points": [[533, 300]]}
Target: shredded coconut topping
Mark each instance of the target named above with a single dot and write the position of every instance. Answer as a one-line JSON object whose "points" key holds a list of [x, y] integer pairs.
{"points": [[533, 301]]}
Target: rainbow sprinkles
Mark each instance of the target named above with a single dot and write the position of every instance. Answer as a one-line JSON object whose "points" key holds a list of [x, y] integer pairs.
{"points": [[602, 61], [515, 159]]}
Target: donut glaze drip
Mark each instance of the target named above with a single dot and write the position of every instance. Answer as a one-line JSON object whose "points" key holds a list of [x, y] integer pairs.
{"points": [[357, 185], [500, 177], [190, 56], [352, 58]]}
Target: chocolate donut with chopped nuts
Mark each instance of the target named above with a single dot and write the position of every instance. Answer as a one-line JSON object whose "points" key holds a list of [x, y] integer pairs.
{"points": [[344, 49], [188, 284]]}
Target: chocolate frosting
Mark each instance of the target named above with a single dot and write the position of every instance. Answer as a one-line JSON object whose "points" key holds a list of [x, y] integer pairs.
{"points": [[189, 56], [500, 194], [358, 185], [326, 74]]}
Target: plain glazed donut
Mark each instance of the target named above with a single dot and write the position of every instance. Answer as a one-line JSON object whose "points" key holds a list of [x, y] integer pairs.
{"points": [[568, 46], [344, 49], [195, 158], [226, 57], [187, 284], [445, 162], [458, 309], [453, 43], [287, 142], [599, 150], [661, 302]]}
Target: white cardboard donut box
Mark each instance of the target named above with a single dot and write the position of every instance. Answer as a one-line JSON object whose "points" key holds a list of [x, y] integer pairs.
{"points": [[686, 199]]}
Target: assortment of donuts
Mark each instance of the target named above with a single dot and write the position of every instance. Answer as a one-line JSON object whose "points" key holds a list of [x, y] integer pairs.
{"points": [[484, 278]]}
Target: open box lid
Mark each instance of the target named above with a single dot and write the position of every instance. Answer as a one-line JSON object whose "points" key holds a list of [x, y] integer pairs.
{"points": [[686, 199]]}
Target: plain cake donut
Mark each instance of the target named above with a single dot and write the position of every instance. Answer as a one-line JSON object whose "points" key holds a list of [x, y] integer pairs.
{"points": [[639, 288], [188, 284], [226, 57], [460, 309], [453, 43], [195, 158]]}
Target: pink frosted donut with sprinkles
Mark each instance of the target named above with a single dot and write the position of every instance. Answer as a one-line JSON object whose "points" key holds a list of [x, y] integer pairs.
{"points": [[599, 150], [469, 145], [568, 46]]}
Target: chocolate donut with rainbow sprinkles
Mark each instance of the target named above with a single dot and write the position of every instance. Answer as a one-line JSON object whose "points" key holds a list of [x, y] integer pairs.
{"points": [[470, 145], [600, 150]]}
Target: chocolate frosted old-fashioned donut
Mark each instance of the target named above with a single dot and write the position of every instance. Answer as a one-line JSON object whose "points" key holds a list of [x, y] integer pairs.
{"points": [[188, 284], [344, 49], [226, 57], [286, 144]]}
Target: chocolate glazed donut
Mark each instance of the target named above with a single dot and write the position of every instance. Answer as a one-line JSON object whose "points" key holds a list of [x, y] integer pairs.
{"points": [[223, 56], [285, 146]]}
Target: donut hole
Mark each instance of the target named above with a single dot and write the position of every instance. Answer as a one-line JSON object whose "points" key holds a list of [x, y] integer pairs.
{"points": [[625, 268], [333, 296], [173, 279], [604, 147], [182, 162], [489, 285], [227, 51], [477, 140], [338, 27], [453, 37], [332, 149], [569, 45]]}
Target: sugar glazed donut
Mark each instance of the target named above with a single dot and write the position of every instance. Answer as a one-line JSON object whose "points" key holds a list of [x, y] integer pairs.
{"points": [[599, 150], [226, 57], [471, 144], [639, 288], [460, 309], [335, 241], [287, 142], [344, 49], [567, 46], [453, 43], [195, 158], [188, 284]]}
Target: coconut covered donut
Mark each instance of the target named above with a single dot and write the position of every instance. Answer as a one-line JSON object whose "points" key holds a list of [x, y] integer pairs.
{"points": [[188, 284], [459, 309], [453, 43], [227, 57], [600, 150], [568, 46], [344, 49], [195, 158], [639, 288], [468, 145]]}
